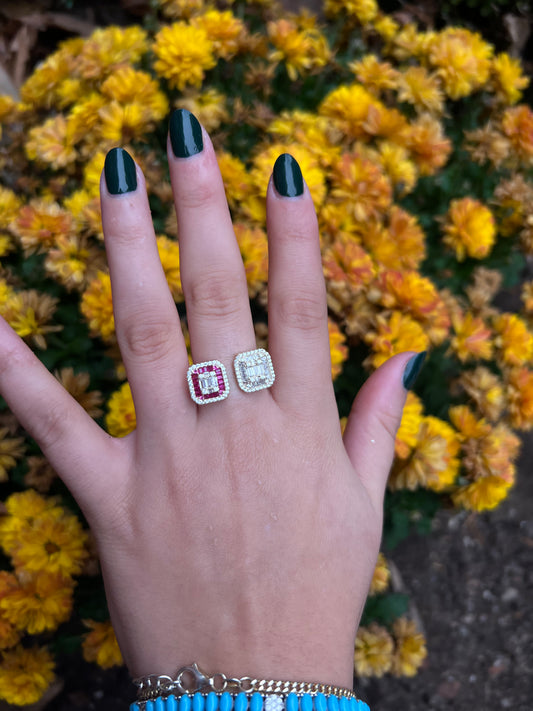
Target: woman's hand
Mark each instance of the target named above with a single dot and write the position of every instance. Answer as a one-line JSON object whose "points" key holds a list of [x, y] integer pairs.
{"points": [[242, 534]]}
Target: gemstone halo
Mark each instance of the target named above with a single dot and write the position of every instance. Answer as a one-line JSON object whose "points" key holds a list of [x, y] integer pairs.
{"points": [[254, 370]]}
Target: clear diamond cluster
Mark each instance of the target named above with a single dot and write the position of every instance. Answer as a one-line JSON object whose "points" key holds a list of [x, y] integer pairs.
{"points": [[254, 370]]}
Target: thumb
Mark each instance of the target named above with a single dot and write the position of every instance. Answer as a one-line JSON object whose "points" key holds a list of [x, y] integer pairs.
{"points": [[374, 420]]}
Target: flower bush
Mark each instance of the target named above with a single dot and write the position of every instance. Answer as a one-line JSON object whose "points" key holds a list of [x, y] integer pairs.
{"points": [[417, 154]]}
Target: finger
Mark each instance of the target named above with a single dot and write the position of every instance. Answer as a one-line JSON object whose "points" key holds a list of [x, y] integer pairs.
{"points": [[81, 453], [297, 310], [147, 323], [213, 278], [374, 420]]}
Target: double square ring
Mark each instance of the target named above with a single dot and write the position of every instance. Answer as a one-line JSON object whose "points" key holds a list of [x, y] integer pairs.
{"points": [[208, 381]]}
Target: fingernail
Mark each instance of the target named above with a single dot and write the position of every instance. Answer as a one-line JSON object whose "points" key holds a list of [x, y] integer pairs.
{"points": [[288, 176], [412, 369], [185, 134], [119, 171]]}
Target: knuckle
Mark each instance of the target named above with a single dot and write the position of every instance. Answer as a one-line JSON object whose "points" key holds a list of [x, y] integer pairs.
{"points": [[52, 427], [147, 339], [198, 193], [219, 295], [304, 313]]}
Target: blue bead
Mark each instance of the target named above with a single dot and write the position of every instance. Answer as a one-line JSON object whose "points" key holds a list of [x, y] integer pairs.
{"points": [[256, 702], [226, 702], [160, 704], [306, 702], [333, 703], [344, 704], [198, 702], [241, 702], [321, 703], [134, 707], [354, 705], [211, 703], [291, 702], [185, 702], [172, 703], [150, 706]]}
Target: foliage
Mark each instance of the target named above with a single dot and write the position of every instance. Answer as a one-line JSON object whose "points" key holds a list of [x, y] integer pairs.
{"points": [[418, 156]]}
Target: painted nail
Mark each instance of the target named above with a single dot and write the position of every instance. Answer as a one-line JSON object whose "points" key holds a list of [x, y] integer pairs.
{"points": [[185, 134], [119, 171], [412, 369], [288, 176]]}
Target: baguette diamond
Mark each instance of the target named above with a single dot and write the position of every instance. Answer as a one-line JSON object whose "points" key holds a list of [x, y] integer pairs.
{"points": [[254, 370]]}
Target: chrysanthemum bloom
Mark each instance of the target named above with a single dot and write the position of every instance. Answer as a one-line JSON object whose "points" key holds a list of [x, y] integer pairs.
{"points": [[253, 245], [413, 294], [394, 334], [184, 53], [433, 463], [39, 603], [410, 648], [408, 43], [309, 129], [169, 254], [120, 419], [52, 143], [429, 146], [301, 49], [11, 449], [517, 126], [10, 205], [364, 11], [40, 90], [482, 494], [84, 116], [381, 577], [508, 78], [469, 228], [398, 244], [485, 284], [100, 645], [362, 186], [127, 85], [338, 348], [225, 31], [462, 59], [97, 307], [73, 262], [25, 674], [108, 48], [181, 9], [29, 314], [77, 384], [347, 108], [514, 200], [376, 76], [519, 392], [23, 508], [40, 474], [208, 106], [513, 340], [486, 390], [472, 337], [374, 649], [348, 269], [421, 89], [489, 145], [412, 417], [236, 179], [40, 223], [397, 165], [8, 110]]}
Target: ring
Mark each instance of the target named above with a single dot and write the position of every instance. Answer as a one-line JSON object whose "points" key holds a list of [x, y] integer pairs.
{"points": [[254, 370], [208, 382]]}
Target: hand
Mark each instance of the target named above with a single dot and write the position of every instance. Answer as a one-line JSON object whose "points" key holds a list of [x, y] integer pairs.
{"points": [[243, 534]]}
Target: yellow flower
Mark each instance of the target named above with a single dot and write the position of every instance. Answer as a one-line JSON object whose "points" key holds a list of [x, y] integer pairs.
{"points": [[395, 333], [398, 166], [180, 9], [526, 296], [469, 229], [400, 244], [72, 262], [120, 419], [338, 348], [209, 107], [423, 90], [225, 31], [430, 148], [375, 75], [410, 648], [28, 313], [302, 50], [127, 85], [362, 186], [11, 449], [347, 108], [100, 645], [407, 435], [385, 26], [517, 126], [25, 674], [76, 384], [120, 124], [97, 307], [488, 144], [381, 578], [364, 11], [348, 269], [169, 254], [513, 341], [84, 116], [52, 143], [107, 49], [483, 494], [39, 224], [10, 204], [306, 128], [254, 251], [374, 649], [236, 179], [486, 390], [39, 603], [508, 78], [184, 53], [472, 339], [462, 59], [40, 88]]}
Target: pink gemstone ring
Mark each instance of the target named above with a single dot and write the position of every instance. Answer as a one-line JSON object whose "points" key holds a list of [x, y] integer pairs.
{"points": [[208, 382]]}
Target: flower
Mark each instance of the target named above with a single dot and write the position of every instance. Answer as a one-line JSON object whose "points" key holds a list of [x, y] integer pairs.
{"points": [[100, 645], [236, 179], [409, 648], [73, 261], [109, 48], [398, 166], [97, 306], [517, 126], [28, 313], [225, 31], [169, 254], [347, 108], [184, 53], [374, 649], [513, 340], [429, 146], [399, 243], [486, 390], [39, 224], [301, 49], [348, 269], [52, 143], [364, 11], [375, 75], [76, 384], [472, 337], [469, 228], [483, 494], [40, 474], [120, 419], [11, 449], [519, 391], [407, 434], [423, 90], [338, 348], [25, 674], [208, 106], [361, 185], [381, 577], [395, 333], [252, 243], [508, 79]]}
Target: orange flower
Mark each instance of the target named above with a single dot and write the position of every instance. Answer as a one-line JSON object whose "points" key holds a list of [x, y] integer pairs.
{"points": [[469, 228], [472, 337], [375, 75], [97, 306], [428, 144], [407, 434], [337, 347], [100, 645], [519, 391], [361, 185], [486, 391], [394, 334], [517, 125], [421, 89], [512, 339], [347, 268], [381, 578], [410, 648], [39, 224]]}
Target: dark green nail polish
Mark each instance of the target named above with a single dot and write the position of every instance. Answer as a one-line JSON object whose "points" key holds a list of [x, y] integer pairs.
{"points": [[288, 176], [185, 134], [119, 171], [412, 369]]}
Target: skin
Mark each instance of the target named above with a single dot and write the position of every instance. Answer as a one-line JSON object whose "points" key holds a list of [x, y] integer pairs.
{"points": [[243, 534]]}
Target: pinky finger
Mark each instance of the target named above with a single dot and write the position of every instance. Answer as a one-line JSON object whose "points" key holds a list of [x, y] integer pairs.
{"points": [[73, 443]]}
